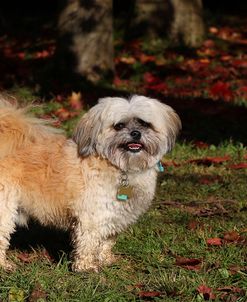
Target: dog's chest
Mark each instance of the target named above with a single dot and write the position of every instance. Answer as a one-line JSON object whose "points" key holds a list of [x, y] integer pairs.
{"points": [[114, 214]]}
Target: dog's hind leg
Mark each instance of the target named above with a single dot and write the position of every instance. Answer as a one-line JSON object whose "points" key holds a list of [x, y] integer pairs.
{"points": [[8, 213]]}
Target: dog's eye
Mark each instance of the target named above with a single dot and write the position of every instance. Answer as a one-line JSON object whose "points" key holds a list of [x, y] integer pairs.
{"points": [[119, 126], [143, 123]]}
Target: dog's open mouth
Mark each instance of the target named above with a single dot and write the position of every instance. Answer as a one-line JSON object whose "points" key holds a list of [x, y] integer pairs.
{"points": [[133, 147]]}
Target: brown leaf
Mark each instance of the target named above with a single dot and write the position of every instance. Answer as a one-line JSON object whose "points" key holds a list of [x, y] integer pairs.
{"points": [[26, 257], [206, 292], [37, 294], [210, 179], [231, 236], [189, 263], [214, 241], [207, 161], [238, 166], [200, 145], [149, 294], [63, 114]]}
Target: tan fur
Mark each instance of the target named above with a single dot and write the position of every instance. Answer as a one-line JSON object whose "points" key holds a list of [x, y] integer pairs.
{"points": [[43, 176]]}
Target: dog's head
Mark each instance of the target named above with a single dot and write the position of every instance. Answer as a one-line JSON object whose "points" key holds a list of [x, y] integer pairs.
{"points": [[132, 134]]}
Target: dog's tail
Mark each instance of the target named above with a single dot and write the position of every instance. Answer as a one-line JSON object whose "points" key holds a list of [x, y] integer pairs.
{"points": [[18, 129]]}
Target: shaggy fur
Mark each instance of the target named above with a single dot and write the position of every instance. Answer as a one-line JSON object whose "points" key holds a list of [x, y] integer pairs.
{"points": [[72, 183]]}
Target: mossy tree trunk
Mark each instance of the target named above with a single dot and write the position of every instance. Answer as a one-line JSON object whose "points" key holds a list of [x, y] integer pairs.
{"points": [[85, 43]]}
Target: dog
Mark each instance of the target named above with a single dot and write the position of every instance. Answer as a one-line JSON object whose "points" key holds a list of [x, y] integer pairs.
{"points": [[95, 184]]}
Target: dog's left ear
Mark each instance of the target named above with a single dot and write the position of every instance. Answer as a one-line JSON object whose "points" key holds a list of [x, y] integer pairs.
{"points": [[87, 130], [172, 124]]}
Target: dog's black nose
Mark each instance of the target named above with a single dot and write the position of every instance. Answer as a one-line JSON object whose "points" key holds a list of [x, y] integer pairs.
{"points": [[136, 134]]}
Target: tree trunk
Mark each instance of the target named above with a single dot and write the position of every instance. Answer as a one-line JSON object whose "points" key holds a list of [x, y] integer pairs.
{"points": [[180, 19], [187, 26], [85, 38]]}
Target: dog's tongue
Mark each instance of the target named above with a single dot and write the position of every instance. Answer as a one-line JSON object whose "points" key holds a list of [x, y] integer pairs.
{"points": [[134, 146]]}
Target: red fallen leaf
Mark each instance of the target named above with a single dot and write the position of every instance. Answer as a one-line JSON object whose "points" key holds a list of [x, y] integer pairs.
{"points": [[171, 163], [193, 225], [75, 101], [221, 90], [231, 289], [200, 144], [189, 263], [119, 82], [233, 237], [207, 180], [37, 294], [21, 55], [161, 87], [210, 160], [63, 114], [239, 63], [145, 58], [149, 78], [26, 257], [206, 292], [238, 166], [147, 294], [214, 241]]}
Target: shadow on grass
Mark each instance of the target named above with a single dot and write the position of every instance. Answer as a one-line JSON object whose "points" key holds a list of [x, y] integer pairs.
{"points": [[56, 242]]}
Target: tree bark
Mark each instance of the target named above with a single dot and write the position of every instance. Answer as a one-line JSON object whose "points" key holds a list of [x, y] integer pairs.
{"points": [[85, 42], [180, 19], [187, 25]]}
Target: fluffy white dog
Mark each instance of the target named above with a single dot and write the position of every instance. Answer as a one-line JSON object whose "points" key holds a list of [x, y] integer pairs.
{"points": [[95, 184]]}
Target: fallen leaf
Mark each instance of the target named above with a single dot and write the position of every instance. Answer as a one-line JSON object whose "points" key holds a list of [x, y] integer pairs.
{"points": [[214, 241], [16, 295], [231, 236], [238, 166], [149, 294], [221, 90], [127, 60], [26, 257], [200, 145], [206, 292], [189, 263], [210, 160], [37, 294], [75, 100], [210, 179], [63, 114]]}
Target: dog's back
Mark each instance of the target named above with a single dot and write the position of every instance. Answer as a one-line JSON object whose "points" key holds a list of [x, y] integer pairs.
{"points": [[18, 129]]}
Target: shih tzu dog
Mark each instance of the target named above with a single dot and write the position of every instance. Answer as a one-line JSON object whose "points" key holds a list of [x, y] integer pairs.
{"points": [[94, 185]]}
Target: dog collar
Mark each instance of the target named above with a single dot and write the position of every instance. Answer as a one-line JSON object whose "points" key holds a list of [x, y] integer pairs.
{"points": [[160, 166], [124, 191]]}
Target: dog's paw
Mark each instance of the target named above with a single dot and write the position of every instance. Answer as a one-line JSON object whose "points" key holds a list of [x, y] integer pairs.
{"points": [[107, 259], [7, 265], [86, 264]]}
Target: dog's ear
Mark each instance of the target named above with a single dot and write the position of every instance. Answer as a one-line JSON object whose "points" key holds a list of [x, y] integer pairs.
{"points": [[87, 130], [172, 125]]}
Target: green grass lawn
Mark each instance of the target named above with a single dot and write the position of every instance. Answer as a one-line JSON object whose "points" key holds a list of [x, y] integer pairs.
{"points": [[195, 201], [191, 244]]}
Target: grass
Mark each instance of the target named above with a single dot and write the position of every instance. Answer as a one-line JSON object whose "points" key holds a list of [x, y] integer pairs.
{"points": [[185, 213], [195, 201]]}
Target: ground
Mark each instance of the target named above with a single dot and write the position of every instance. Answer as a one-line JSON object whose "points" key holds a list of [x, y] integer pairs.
{"points": [[191, 245]]}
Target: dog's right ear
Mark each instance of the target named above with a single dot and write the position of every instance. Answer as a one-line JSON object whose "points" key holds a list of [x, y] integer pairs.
{"points": [[87, 130]]}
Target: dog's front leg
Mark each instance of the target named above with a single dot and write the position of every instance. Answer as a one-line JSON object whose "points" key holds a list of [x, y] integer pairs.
{"points": [[91, 250], [8, 215]]}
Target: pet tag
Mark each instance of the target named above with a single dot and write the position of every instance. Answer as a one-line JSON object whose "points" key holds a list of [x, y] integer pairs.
{"points": [[124, 193]]}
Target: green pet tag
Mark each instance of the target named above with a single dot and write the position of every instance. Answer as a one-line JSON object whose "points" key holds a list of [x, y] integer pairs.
{"points": [[124, 193]]}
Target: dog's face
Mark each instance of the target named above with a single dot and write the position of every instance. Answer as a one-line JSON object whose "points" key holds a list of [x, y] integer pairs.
{"points": [[132, 134]]}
